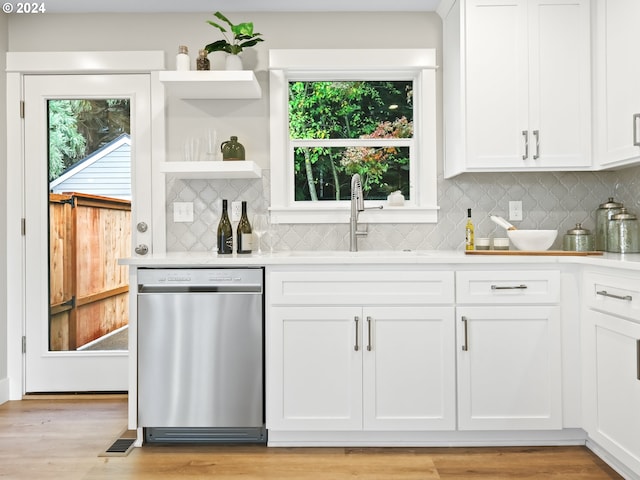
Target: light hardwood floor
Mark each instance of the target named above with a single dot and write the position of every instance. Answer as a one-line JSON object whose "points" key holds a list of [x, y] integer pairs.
{"points": [[61, 438]]}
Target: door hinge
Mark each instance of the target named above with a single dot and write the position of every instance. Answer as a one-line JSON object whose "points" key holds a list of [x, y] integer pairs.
{"points": [[21, 108], [24, 344], [23, 226]]}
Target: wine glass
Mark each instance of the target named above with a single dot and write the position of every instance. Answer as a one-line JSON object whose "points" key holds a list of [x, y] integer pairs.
{"points": [[260, 227]]}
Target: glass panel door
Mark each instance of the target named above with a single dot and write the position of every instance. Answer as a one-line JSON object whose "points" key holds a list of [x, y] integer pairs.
{"points": [[87, 158]]}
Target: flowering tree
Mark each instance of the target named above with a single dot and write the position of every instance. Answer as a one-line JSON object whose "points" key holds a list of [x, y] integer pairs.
{"points": [[373, 162]]}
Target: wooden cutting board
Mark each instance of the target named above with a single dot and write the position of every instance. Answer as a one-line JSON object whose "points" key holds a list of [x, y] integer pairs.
{"points": [[527, 252]]}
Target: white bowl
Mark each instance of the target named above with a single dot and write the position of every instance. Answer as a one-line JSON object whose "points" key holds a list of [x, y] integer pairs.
{"points": [[532, 240]]}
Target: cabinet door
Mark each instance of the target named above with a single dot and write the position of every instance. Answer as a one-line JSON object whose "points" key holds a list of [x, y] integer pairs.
{"points": [[617, 387], [314, 374], [527, 84], [409, 368], [618, 77], [559, 84], [496, 80], [509, 361]]}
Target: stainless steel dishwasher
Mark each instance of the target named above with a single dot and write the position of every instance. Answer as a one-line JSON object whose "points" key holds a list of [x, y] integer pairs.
{"points": [[200, 355]]}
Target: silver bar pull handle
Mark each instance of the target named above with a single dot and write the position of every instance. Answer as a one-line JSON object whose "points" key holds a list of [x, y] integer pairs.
{"points": [[369, 334], [536, 133], [636, 142], [638, 358], [525, 134], [509, 287], [604, 293], [357, 345], [465, 345]]}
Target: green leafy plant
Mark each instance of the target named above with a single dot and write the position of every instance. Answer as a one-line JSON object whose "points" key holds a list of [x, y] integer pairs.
{"points": [[243, 36]]}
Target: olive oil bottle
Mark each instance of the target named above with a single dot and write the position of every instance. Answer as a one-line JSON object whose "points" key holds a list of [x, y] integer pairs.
{"points": [[469, 236]]}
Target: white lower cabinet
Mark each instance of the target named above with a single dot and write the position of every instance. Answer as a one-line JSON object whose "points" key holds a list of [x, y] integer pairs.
{"points": [[611, 362], [509, 368], [360, 350], [617, 386], [405, 353], [509, 350], [362, 368], [315, 374]]}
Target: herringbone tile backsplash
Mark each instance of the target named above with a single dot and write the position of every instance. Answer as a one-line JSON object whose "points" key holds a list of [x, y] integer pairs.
{"points": [[549, 200]]}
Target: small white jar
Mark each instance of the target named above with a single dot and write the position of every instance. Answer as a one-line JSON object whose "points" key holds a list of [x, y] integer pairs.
{"points": [[501, 243]]}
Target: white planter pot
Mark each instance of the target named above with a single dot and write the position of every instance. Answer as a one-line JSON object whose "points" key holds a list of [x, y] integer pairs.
{"points": [[233, 62]]}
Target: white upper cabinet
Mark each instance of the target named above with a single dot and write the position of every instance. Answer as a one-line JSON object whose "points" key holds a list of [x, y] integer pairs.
{"points": [[517, 85], [617, 141]]}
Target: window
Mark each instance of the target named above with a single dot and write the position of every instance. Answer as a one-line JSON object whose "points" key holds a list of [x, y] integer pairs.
{"points": [[338, 128], [339, 112]]}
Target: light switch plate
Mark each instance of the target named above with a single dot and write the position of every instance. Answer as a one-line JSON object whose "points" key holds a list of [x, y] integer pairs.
{"points": [[182, 212], [515, 211]]}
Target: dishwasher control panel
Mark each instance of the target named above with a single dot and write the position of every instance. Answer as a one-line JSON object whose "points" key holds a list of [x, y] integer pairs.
{"points": [[200, 276]]}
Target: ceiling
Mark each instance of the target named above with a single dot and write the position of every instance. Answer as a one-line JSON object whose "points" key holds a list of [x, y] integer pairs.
{"points": [[137, 6]]}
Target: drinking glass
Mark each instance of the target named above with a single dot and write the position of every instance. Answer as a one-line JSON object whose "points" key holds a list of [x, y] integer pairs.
{"points": [[211, 144], [260, 227], [193, 147]]}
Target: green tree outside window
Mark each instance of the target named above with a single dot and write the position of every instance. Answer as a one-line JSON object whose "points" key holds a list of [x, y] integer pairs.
{"points": [[349, 127]]}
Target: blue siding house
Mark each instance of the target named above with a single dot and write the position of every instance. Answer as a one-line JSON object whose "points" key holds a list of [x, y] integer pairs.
{"points": [[106, 172]]}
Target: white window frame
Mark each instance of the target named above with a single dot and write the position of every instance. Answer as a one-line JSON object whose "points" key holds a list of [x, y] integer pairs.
{"points": [[379, 64]]}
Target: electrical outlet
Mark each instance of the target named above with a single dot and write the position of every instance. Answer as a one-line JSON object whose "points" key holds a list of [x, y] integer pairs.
{"points": [[236, 211], [515, 210], [182, 212]]}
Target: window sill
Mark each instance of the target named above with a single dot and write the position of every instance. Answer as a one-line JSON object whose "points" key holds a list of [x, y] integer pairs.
{"points": [[332, 214]]}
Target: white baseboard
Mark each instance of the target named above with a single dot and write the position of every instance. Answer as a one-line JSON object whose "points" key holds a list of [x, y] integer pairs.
{"points": [[612, 461], [426, 439]]}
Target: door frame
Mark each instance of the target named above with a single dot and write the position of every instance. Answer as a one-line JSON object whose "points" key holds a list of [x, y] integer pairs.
{"points": [[33, 63]]}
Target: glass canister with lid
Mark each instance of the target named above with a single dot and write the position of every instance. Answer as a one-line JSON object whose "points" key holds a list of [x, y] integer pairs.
{"points": [[603, 215], [578, 239], [624, 233]]}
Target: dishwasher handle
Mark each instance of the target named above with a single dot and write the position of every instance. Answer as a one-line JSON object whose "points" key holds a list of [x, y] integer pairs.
{"points": [[248, 288]]}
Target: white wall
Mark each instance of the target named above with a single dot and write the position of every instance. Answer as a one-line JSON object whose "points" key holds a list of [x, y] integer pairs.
{"points": [[4, 382], [70, 32]]}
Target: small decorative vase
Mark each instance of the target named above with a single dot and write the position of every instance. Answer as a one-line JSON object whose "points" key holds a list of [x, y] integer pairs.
{"points": [[232, 149], [233, 62]]}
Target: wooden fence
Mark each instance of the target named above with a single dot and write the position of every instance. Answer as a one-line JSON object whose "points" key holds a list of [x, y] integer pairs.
{"points": [[88, 289]]}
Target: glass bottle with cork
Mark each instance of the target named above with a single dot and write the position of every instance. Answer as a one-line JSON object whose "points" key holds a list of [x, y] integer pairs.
{"points": [[183, 62], [202, 62], [469, 241]]}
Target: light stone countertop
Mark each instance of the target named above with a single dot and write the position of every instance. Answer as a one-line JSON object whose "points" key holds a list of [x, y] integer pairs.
{"points": [[373, 257]]}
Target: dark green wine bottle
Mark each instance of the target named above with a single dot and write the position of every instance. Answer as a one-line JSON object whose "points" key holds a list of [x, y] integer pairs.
{"points": [[244, 235], [225, 232]]}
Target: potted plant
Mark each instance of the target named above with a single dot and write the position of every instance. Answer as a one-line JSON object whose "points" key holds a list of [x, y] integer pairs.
{"points": [[243, 37]]}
